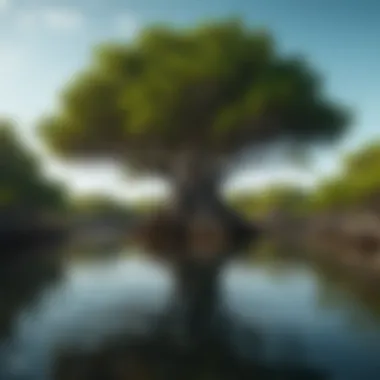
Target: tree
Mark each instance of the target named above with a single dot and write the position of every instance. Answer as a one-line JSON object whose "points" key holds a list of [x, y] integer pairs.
{"points": [[357, 185], [208, 91], [362, 175], [183, 103], [23, 185]]}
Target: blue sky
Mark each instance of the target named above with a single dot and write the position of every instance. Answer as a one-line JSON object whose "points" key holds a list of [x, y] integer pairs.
{"points": [[43, 42]]}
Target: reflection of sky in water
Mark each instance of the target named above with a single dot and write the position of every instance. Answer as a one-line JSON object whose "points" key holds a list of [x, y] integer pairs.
{"points": [[91, 304], [98, 302], [287, 313]]}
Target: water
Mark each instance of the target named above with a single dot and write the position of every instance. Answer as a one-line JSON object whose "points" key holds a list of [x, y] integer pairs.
{"points": [[92, 303]]}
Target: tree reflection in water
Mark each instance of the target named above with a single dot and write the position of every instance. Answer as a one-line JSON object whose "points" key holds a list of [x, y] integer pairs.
{"points": [[158, 358], [208, 354], [165, 356], [340, 283]]}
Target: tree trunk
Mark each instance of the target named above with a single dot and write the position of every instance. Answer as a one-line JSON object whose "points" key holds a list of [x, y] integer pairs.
{"points": [[196, 185], [196, 181]]}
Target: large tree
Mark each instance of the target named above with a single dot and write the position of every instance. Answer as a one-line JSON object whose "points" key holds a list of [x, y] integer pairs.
{"points": [[182, 103], [203, 93]]}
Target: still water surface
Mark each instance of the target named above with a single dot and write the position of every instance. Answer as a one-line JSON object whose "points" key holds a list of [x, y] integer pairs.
{"points": [[283, 302]]}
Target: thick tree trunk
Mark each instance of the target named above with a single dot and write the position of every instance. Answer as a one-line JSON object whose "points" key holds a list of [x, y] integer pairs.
{"points": [[197, 183], [171, 234]]}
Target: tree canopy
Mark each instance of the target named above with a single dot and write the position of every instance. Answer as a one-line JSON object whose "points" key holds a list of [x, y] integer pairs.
{"points": [[22, 182], [215, 87]]}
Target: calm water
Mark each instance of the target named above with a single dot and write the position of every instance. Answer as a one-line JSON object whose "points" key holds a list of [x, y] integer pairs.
{"points": [[298, 316]]}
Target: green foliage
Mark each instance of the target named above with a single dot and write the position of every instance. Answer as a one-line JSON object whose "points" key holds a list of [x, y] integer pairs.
{"points": [[146, 206], [99, 204], [215, 87], [22, 183], [358, 184], [284, 198]]}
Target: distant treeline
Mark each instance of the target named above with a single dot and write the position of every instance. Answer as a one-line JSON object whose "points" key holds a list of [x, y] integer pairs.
{"points": [[357, 187]]}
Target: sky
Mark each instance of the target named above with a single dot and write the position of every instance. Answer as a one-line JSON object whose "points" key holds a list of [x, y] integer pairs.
{"points": [[43, 43]]}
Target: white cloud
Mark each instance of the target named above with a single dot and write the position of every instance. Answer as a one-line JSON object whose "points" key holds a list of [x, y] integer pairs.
{"points": [[53, 18], [127, 25], [4, 5]]}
